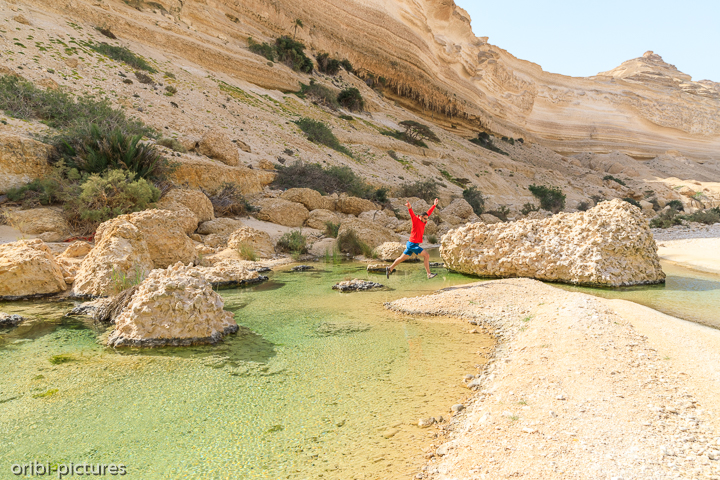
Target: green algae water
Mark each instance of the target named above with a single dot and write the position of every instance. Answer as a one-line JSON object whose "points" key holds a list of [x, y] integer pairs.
{"points": [[317, 384], [688, 294]]}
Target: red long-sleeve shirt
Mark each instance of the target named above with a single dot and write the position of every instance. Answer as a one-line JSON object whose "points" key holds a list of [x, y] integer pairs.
{"points": [[418, 227]]}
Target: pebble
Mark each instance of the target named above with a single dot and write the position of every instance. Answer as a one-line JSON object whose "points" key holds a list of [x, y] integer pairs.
{"points": [[457, 408]]}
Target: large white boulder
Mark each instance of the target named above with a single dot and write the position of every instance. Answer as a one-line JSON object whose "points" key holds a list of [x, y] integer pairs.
{"points": [[28, 268], [609, 245]]}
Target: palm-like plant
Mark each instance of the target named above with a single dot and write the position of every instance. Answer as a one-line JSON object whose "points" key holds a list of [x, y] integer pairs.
{"points": [[298, 23]]}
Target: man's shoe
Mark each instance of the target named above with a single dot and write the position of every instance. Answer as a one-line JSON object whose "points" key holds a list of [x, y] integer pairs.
{"points": [[432, 275], [387, 273]]}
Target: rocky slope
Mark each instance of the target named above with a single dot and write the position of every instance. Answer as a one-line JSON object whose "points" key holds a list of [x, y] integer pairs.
{"points": [[436, 71]]}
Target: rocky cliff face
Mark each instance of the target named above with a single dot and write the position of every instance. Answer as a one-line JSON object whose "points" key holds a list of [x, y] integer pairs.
{"points": [[433, 63]]}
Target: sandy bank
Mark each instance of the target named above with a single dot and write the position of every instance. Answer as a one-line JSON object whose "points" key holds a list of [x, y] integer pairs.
{"points": [[697, 248], [580, 387]]}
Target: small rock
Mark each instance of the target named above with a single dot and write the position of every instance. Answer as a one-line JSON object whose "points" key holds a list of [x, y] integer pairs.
{"points": [[560, 397], [7, 320], [356, 285], [426, 422], [390, 433], [302, 268], [458, 407]]}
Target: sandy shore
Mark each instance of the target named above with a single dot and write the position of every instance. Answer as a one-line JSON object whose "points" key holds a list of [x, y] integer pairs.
{"points": [[697, 248], [580, 387]]}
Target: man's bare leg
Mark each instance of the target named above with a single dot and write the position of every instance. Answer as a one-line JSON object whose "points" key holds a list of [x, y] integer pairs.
{"points": [[397, 261], [426, 260]]}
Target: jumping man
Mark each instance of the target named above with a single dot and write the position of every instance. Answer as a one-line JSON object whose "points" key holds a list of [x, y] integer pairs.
{"points": [[416, 238]]}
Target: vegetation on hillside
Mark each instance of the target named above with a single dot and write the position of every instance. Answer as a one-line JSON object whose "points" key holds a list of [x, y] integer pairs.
{"points": [[122, 54], [475, 198], [327, 181], [318, 132], [484, 140], [551, 198], [425, 189]]}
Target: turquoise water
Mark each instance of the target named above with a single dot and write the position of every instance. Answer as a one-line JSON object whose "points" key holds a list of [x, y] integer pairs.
{"points": [[689, 294], [310, 388]]}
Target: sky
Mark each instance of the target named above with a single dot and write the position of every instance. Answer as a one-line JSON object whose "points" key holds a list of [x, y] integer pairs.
{"points": [[582, 38]]}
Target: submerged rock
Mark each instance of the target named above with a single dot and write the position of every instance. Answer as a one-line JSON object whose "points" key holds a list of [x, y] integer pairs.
{"points": [[377, 267], [355, 285], [302, 268], [330, 328], [28, 268], [176, 306], [7, 320], [609, 245]]}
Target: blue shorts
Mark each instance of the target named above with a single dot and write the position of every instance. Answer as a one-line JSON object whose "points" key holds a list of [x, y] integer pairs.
{"points": [[411, 248]]}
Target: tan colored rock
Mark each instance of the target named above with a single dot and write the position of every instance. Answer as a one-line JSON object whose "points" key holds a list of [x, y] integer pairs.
{"points": [[609, 245], [259, 241], [77, 249], [371, 233], [491, 219], [28, 268], [48, 83], [120, 258], [164, 233], [354, 206], [215, 144], [451, 219], [215, 240], [48, 222], [282, 212], [381, 217], [312, 199], [175, 306], [219, 226], [319, 217], [199, 172], [195, 200], [266, 164], [325, 246], [230, 272], [431, 228], [186, 217], [389, 251], [418, 205], [22, 160], [459, 208]]}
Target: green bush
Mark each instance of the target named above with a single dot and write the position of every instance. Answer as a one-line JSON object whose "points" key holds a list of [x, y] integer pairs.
{"points": [[528, 208], [247, 252], [228, 201], [707, 217], [348, 242], [330, 66], [666, 219], [583, 206], [632, 201], [425, 189], [474, 197], [351, 99], [105, 196], [676, 204], [502, 212], [418, 132], [122, 54], [484, 140], [432, 239], [327, 181], [262, 49], [292, 242], [551, 198], [292, 53], [115, 150], [332, 229], [52, 188], [172, 144], [106, 31], [320, 94], [614, 179], [347, 65], [318, 132]]}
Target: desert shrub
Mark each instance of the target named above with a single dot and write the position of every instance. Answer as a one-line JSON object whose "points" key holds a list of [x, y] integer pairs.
{"points": [[106, 31], [53, 188], [416, 131], [345, 63], [707, 217], [330, 66], [460, 182], [123, 54], [676, 204], [502, 212], [107, 195], [666, 219], [348, 242], [318, 132], [292, 53], [262, 49], [432, 239], [228, 201], [484, 140], [346, 117], [551, 198], [144, 79], [292, 242], [474, 197], [320, 94], [247, 252], [172, 144], [583, 206], [632, 201], [116, 150], [614, 179], [327, 181], [351, 99], [425, 189], [528, 208], [332, 229], [170, 90], [393, 154]]}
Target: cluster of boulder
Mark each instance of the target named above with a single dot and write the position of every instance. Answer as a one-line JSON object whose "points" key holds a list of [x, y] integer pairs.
{"points": [[609, 245]]}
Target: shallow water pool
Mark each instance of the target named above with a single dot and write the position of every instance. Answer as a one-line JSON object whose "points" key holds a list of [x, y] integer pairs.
{"points": [[317, 384]]}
